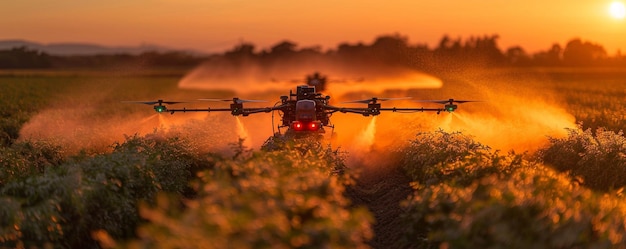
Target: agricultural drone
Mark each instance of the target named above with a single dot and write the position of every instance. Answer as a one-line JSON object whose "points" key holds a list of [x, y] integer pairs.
{"points": [[305, 111]]}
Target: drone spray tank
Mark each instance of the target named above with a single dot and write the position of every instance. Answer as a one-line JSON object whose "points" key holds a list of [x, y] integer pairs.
{"points": [[305, 119]]}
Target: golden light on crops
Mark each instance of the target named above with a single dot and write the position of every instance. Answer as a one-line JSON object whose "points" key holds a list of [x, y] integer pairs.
{"points": [[617, 10]]}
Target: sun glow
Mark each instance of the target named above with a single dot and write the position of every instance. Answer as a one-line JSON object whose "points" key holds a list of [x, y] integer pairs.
{"points": [[617, 10]]}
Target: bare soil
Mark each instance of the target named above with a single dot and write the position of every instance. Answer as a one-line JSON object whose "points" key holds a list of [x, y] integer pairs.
{"points": [[381, 191]]}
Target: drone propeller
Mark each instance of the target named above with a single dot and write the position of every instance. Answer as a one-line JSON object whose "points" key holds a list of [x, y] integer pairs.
{"points": [[235, 100], [449, 101], [159, 102], [374, 100], [158, 105]]}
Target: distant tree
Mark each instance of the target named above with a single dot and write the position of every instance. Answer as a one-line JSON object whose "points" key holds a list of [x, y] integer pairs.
{"points": [[579, 53], [238, 56], [444, 43], [284, 47], [481, 51], [391, 49], [552, 57], [478, 51], [241, 50], [516, 56], [484, 50], [309, 53], [312, 50], [448, 47], [22, 57], [448, 51], [347, 50]]}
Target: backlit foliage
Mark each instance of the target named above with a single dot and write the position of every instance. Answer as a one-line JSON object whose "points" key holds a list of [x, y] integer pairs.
{"points": [[598, 160], [292, 197], [62, 204], [454, 158], [481, 200], [281, 199], [533, 208]]}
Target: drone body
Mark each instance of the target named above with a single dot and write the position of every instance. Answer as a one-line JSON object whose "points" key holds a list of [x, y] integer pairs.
{"points": [[306, 111]]}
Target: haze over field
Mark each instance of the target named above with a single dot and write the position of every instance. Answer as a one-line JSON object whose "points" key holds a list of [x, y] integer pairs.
{"points": [[499, 119]]}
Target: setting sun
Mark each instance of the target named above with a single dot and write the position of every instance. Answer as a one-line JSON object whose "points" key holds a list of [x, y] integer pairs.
{"points": [[617, 10]]}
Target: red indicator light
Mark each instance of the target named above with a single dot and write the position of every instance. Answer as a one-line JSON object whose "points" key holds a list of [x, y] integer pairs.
{"points": [[305, 126], [297, 125]]}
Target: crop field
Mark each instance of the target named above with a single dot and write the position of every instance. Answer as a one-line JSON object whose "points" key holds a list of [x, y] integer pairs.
{"points": [[538, 162]]}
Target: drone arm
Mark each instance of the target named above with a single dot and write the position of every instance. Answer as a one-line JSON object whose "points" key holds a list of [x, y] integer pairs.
{"points": [[376, 111], [422, 109], [235, 110], [248, 111], [172, 111], [362, 111]]}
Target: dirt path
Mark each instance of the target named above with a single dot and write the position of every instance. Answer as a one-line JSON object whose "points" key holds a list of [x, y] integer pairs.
{"points": [[381, 191]]}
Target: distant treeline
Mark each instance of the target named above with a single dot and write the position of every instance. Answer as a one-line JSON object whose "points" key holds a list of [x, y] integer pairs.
{"points": [[25, 58], [389, 49]]}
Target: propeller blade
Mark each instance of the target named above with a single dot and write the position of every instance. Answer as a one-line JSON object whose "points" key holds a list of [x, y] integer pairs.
{"points": [[373, 100], [155, 102], [449, 101], [465, 101], [236, 100], [365, 101]]}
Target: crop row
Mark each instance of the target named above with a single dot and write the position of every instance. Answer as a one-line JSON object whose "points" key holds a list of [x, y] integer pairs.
{"points": [[468, 196], [157, 191]]}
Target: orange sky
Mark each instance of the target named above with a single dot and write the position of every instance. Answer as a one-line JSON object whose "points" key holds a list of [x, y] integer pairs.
{"points": [[216, 25]]}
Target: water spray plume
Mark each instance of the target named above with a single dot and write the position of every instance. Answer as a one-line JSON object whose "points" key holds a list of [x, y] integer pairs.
{"points": [[148, 119], [161, 121], [516, 114], [243, 133], [446, 121], [367, 137], [250, 78]]}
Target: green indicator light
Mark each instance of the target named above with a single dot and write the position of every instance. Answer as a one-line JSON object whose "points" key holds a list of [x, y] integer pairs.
{"points": [[160, 108], [450, 108]]}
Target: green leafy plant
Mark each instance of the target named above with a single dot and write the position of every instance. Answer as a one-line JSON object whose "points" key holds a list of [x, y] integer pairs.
{"points": [[28, 158], [279, 199], [597, 159], [63, 206], [454, 158], [476, 198], [533, 208]]}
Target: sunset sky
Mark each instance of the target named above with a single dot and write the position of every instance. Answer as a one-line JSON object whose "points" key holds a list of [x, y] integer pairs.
{"points": [[217, 25]]}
